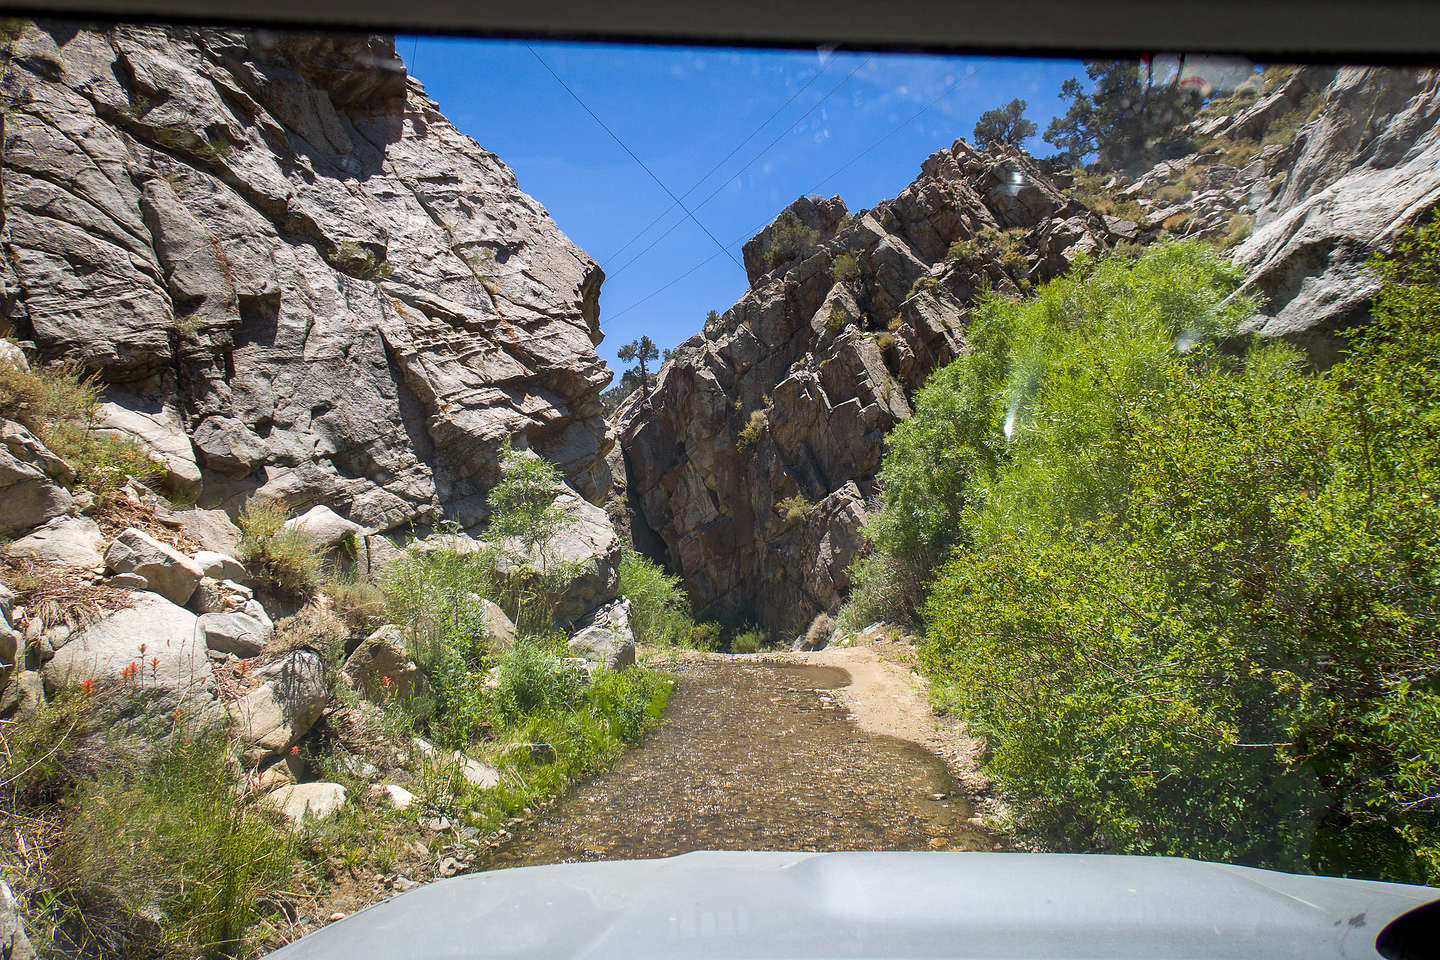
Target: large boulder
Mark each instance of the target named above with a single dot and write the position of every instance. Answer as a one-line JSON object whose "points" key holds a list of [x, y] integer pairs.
{"points": [[382, 671], [298, 801], [158, 430], [276, 714], [31, 481], [157, 641], [235, 633], [67, 541], [169, 572], [327, 529], [606, 638], [589, 543]]}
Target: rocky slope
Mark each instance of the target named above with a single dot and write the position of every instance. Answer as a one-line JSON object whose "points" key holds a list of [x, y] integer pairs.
{"points": [[294, 275], [750, 467]]}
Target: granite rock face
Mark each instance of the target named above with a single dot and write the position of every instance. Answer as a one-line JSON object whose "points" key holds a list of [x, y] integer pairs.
{"points": [[297, 278], [1363, 170], [750, 468]]}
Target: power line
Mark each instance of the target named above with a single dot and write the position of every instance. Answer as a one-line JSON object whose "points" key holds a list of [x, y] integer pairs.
{"points": [[642, 163], [911, 119], [765, 123], [764, 150]]}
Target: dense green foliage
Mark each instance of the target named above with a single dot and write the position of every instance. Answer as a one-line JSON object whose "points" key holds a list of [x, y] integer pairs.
{"points": [[1189, 597], [788, 239], [659, 609], [1129, 117], [1007, 126]]}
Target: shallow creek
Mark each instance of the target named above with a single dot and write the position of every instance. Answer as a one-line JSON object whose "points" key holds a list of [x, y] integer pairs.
{"points": [[752, 756]]}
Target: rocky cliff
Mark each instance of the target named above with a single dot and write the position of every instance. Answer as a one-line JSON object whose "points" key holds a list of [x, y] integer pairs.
{"points": [[751, 465], [295, 277]]}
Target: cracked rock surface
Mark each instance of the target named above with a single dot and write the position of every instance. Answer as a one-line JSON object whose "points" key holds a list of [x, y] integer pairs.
{"points": [[293, 271]]}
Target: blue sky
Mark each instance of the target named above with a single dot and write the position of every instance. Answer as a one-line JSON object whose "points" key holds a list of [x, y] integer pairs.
{"points": [[683, 110]]}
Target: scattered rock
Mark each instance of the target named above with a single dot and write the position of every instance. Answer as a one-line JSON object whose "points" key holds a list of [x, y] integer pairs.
{"points": [[498, 627], [275, 715], [221, 596], [23, 693], [31, 486], [606, 637], [235, 633], [212, 529], [129, 581], [396, 796], [219, 566], [14, 945], [170, 573], [295, 802], [68, 541], [382, 671]]}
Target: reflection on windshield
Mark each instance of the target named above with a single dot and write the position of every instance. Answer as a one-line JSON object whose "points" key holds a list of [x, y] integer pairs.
{"points": [[412, 469]]}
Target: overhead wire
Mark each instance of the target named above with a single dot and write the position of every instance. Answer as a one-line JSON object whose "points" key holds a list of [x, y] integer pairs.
{"points": [[724, 160], [896, 129], [633, 156], [752, 161]]}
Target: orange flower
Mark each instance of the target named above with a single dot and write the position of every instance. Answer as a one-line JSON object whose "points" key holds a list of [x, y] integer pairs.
{"points": [[244, 666], [142, 649], [295, 750], [88, 687], [385, 682]]}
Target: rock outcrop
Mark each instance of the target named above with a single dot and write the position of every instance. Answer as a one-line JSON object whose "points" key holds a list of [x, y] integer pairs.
{"points": [[295, 276], [1353, 178], [750, 466]]}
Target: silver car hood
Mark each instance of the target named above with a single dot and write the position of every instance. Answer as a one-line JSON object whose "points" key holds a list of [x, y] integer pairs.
{"points": [[808, 905]]}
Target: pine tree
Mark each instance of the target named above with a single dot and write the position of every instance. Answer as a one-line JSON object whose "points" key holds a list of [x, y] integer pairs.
{"points": [[1005, 126]]}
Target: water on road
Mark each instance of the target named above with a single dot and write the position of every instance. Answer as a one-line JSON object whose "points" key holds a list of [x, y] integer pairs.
{"points": [[753, 756]]}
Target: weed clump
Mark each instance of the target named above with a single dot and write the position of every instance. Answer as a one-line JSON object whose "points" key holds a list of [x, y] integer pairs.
{"points": [[286, 556]]}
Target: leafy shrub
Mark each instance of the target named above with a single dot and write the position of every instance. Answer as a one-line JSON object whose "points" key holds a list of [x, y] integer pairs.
{"points": [[1188, 595], [788, 239], [885, 341], [794, 509], [285, 556], [749, 434], [532, 679], [819, 632], [1173, 193], [659, 610], [838, 319], [58, 405], [847, 265], [1237, 229], [749, 640]]}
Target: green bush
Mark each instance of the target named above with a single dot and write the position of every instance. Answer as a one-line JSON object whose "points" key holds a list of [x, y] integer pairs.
{"points": [[846, 266], [210, 860], [788, 239], [749, 640], [58, 405], [285, 556], [749, 434], [1190, 598], [794, 509], [659, 610]]}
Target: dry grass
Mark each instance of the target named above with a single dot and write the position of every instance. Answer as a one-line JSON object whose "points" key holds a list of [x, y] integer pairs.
{"points": [[58, 595], [125, 510]]}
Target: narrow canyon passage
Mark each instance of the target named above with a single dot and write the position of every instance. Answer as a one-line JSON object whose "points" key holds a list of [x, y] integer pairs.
{"points": [[754, 756]]}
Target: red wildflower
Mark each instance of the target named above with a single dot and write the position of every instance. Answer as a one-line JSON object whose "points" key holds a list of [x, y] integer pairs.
{"points": [[142, 649], [385, 682], [295, 750], [244, 666], [88, 687]]}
